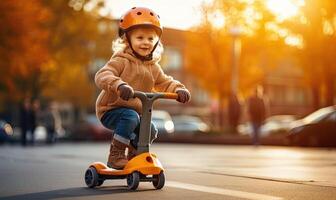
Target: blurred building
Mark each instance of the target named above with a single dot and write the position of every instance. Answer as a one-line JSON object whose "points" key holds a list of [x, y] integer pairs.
{"points": [[286, 90], [283, 85], [173, 63]]}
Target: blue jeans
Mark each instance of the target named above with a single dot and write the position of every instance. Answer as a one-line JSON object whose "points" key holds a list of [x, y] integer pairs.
{"points": [[125, 123]]}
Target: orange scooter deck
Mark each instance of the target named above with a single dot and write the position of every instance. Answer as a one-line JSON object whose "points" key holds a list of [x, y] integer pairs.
{"points": [[145, 163]]}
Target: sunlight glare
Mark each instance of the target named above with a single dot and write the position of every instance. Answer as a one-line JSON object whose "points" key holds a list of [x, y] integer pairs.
{"points": [[217, 19], [283, 153], [283, 9], [328, 28], [293, 40], [89, 6], [173, 13]]}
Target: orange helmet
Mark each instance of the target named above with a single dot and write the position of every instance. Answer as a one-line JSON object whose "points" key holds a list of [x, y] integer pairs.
{"points": [[139, 16]]}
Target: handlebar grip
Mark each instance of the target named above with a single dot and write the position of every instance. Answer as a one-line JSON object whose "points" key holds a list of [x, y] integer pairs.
{"points": [[170, 96]]}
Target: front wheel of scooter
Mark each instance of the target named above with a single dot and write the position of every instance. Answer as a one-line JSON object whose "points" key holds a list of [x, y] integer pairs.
{"points": [[159, 180], [91, 177], [133, 180]]}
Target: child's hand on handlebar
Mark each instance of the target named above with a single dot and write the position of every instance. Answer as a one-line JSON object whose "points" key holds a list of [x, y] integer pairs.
{"points": [[183, 95], [125, 92]]}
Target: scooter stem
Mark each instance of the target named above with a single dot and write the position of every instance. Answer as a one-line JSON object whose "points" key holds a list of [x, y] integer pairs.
{"points": [[147, 100]]}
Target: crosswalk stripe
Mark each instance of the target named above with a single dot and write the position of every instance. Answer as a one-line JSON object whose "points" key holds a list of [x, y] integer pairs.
{"points": [[216, 190]]}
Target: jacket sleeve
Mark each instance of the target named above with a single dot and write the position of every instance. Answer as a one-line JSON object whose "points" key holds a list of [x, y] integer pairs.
{"points": [[165, 83], [108, 77]]}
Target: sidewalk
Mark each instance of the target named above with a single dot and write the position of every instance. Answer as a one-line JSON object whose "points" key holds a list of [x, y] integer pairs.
{"points": [[220, 139]]}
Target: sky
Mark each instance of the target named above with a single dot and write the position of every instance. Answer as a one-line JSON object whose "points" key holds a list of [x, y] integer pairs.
{"points": [[179, 14], [184, 14]]}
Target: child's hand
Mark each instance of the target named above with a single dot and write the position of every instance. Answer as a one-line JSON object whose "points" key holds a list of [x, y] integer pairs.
{"points": [[125, 91], [183, 95]]}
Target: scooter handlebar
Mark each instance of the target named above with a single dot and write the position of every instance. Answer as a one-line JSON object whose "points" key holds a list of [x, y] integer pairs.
{"points": [[170, 96], [156, 95]]}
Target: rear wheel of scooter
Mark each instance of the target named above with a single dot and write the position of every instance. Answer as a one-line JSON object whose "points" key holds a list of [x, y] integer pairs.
{"points": [[91, 177], [159, 180], [133, 180], [100, 182]]}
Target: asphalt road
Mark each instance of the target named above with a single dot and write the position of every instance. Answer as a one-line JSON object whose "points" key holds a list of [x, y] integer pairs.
{"points": [[192, 172]]}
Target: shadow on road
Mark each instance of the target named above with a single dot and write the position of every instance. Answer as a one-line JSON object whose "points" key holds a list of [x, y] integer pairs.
{"points": [[73, 192]]}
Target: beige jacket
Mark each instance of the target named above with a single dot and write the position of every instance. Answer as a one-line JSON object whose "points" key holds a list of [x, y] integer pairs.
{"points": [[124, 67]]}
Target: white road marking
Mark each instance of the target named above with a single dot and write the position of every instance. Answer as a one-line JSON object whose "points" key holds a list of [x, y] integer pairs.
{"points": [[215, 190]]}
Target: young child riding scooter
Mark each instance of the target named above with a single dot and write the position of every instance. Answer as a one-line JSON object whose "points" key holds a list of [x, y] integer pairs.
{"points": [[133, 66]]}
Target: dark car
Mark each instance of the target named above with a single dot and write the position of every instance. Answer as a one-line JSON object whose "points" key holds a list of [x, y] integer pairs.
{"points": [[317, 129], [89, 128]]}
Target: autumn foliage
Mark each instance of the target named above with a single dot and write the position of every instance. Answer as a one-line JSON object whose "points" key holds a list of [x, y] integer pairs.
{"points": [[23, 47], [46, 49]]}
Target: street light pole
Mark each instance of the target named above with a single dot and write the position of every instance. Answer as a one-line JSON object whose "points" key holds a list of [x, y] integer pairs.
{"points": [[236, 51]]}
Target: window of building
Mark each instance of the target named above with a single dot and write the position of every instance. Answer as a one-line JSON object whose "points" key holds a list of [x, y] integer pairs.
{"points": [[285, 95], [171, 58]]}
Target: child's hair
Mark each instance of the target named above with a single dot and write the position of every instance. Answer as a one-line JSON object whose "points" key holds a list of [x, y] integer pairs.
{"points": [[120, 44]]}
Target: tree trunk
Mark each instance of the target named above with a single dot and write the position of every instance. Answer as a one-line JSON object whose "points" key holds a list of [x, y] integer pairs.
{"points": [[330, 85], [221, 116], [316, 97]]}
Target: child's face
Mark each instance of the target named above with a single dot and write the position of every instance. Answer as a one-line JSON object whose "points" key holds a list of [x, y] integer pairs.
{"points": [[143, 40]]}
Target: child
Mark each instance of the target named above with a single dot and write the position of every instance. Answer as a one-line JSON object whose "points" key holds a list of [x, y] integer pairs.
{"points": [[133, 66]]}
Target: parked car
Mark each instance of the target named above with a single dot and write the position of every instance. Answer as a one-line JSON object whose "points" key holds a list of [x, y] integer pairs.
{"points": [[276, 124], [40, 135], [163, 121], [89, 128], [316, 129], [187, 124], [6, 131]]}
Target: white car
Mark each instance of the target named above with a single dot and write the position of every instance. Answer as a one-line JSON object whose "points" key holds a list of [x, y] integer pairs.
{"points": [[40, 134], [272, 125], [163, 121], [187, 124]]}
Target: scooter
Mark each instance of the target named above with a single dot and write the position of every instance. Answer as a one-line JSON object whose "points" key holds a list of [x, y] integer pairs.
{"points": [[145, 167]]}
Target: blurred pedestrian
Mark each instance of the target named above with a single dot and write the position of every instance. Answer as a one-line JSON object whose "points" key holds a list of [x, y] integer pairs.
{"points": [[48, 121], [36, 108], [59, 130], [257, 113], [27, 122], [234, 112], [133, 66]]}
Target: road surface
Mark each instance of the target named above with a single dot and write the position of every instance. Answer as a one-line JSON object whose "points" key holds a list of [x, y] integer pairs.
{"points": [[192, 172]]}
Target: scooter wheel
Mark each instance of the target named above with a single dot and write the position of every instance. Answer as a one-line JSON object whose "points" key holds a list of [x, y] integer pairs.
{"points": [[91, 177], [133, 180], [159, 180], [100, 182]]}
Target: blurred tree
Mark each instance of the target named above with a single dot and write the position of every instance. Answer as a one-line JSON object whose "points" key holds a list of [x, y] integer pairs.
{"points": [[212, 62], [47, 47], [314, 27], [23, 49], [318, 29], [72, 47], [270, 31], [80, 43]]}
